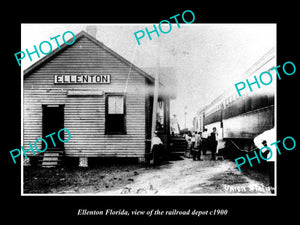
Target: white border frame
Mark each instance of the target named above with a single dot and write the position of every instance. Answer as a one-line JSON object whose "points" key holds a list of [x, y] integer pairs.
{"points": [[173, 195]]}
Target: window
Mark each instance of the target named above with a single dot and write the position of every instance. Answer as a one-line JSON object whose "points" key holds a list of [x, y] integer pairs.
{"points": [[115, 105], [115, 114]]}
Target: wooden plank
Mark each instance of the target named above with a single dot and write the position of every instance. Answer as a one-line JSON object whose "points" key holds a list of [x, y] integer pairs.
{"points": [[84, 93]]}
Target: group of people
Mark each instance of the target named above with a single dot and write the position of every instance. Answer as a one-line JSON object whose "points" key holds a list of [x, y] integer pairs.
{"points": [[198, 142]]}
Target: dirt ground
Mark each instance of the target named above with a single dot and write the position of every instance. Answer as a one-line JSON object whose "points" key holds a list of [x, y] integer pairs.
{"points": [[177, 177]]}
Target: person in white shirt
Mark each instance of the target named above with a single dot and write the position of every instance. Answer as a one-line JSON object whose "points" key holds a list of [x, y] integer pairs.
{"points": [[193, 140], [188, 138], [156, 146], [174, 125], [268, 151], [198, 147]]}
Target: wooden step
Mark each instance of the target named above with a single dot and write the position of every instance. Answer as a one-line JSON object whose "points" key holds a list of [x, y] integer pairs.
{"points": [[179, 143], [178, 146], [51, 158], [49, 164], [177, 153]]}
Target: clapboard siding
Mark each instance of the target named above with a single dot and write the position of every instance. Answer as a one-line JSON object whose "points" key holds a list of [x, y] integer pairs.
{"points": [[84, 116]]}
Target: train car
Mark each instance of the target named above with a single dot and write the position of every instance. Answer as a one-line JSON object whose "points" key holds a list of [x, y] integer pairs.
{"points": [[239, 119]]}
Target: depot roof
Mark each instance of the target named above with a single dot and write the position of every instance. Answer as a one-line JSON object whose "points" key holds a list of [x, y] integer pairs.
{"points": [[98, 43]]}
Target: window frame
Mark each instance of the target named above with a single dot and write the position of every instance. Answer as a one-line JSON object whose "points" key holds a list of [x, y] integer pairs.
{"points": [[124, 129]]}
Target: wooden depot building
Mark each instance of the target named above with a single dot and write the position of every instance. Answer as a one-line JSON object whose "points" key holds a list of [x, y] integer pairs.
{"points": [[101, 98]]}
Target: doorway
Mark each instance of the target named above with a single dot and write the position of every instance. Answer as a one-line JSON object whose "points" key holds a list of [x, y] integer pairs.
{"points": [[53, 121]]}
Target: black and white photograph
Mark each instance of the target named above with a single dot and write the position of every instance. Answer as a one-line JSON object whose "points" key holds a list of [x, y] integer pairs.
{"points": [[166, 109], [150, 113]]}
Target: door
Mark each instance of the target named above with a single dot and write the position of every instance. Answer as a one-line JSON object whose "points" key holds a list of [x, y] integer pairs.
{"points": [[53, 121]]}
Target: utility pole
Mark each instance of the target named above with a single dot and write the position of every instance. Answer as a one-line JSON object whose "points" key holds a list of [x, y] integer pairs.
{"points": [[156, 91]]}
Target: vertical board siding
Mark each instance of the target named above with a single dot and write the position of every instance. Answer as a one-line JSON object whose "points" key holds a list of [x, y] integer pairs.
{"points": [[84, 116]]}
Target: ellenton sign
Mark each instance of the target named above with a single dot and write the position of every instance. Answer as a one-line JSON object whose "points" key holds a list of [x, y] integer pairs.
{"points": [[82, 79]]}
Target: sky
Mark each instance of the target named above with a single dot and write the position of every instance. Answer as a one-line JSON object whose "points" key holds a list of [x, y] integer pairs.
{"points": [[207, 59]]}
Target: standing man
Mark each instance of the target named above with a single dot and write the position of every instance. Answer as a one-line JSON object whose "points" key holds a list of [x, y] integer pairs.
{"points": [[204, 141], [196, 145], [214, 143], [265, 140]]}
